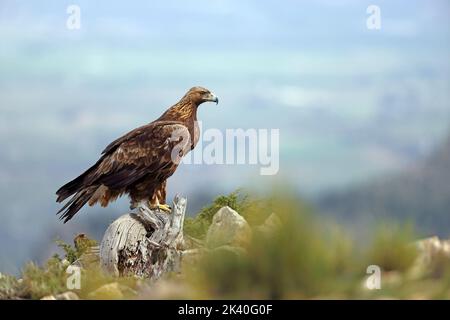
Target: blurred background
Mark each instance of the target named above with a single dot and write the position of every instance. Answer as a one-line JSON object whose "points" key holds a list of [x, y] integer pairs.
{"points": [[363, 114]]}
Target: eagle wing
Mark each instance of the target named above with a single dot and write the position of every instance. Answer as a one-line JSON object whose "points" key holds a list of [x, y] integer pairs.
{"points": [[146, 151], [154, 149]]}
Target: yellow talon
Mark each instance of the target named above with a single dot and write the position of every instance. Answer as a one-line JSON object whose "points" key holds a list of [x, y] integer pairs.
{"points": [[164, 207]]}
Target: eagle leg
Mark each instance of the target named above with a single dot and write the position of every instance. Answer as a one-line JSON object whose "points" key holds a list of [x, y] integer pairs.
{"points": [[158, 199]]}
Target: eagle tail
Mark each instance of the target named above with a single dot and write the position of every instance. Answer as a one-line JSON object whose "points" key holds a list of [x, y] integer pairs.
{"points": [[75, 185], [77, 202], [69, 188]]}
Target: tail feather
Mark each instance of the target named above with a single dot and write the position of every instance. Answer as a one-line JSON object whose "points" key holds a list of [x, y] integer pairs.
{"points": [[76, 203], [77, 184], [69, 188]]}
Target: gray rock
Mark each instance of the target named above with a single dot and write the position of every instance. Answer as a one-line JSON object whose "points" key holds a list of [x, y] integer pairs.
{"points": [[111, 291], [432, 247], [433, 255], [271, 224], [69, 295], [228, 228]]}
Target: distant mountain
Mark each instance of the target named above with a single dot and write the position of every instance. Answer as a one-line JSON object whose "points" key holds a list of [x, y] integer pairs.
{"points": [[420, 195]]}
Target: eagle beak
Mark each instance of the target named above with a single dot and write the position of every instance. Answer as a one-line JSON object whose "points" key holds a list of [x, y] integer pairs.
{"points": [[212, 97]]}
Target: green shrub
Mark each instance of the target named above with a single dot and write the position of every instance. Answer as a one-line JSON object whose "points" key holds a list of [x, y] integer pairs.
{"points": [[81, 245], [198, 225], [38, 282]]}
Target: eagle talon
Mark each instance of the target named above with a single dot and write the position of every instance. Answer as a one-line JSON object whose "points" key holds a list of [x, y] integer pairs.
{"points": [[162, 207]]}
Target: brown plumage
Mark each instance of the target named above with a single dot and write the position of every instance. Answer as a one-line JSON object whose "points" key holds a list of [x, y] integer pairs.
{"points": [[139, 163]]}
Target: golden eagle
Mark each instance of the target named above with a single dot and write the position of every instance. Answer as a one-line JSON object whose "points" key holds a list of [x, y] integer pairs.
{"points": [[139, 163]]}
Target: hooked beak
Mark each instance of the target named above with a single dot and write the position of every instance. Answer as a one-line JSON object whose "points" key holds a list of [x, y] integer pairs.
{"points": [[212, 97]]}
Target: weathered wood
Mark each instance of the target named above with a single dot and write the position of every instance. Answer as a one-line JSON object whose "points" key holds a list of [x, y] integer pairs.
{"points": [[147, 243]]}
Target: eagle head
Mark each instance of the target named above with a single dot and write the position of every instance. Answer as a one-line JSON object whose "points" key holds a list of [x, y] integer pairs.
{"points": [[198, 95]]}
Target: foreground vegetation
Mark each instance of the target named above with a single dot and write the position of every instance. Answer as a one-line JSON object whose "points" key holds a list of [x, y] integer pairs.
{"points": [[299, 257]]}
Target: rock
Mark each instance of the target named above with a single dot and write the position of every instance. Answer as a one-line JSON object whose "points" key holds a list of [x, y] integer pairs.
{"points": [[272, 223], [433, 258], [432, 247], [236, 251], [164, 289], [109, 291], [228, 228], [69, 295]]}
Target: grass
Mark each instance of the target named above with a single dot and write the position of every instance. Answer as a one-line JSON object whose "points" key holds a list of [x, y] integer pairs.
{"points": [[308, 258], [392, 249], [38, 282], [293, 261], [301, 258]]}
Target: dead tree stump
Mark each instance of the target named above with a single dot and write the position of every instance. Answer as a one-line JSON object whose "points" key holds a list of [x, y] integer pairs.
{"points": [[145, 244]]}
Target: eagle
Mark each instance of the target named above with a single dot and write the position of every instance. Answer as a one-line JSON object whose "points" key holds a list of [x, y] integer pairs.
{"points": [[140, 162]]}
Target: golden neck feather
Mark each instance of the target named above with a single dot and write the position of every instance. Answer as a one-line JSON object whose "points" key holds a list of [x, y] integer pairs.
{"points": [[182, 111]]}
